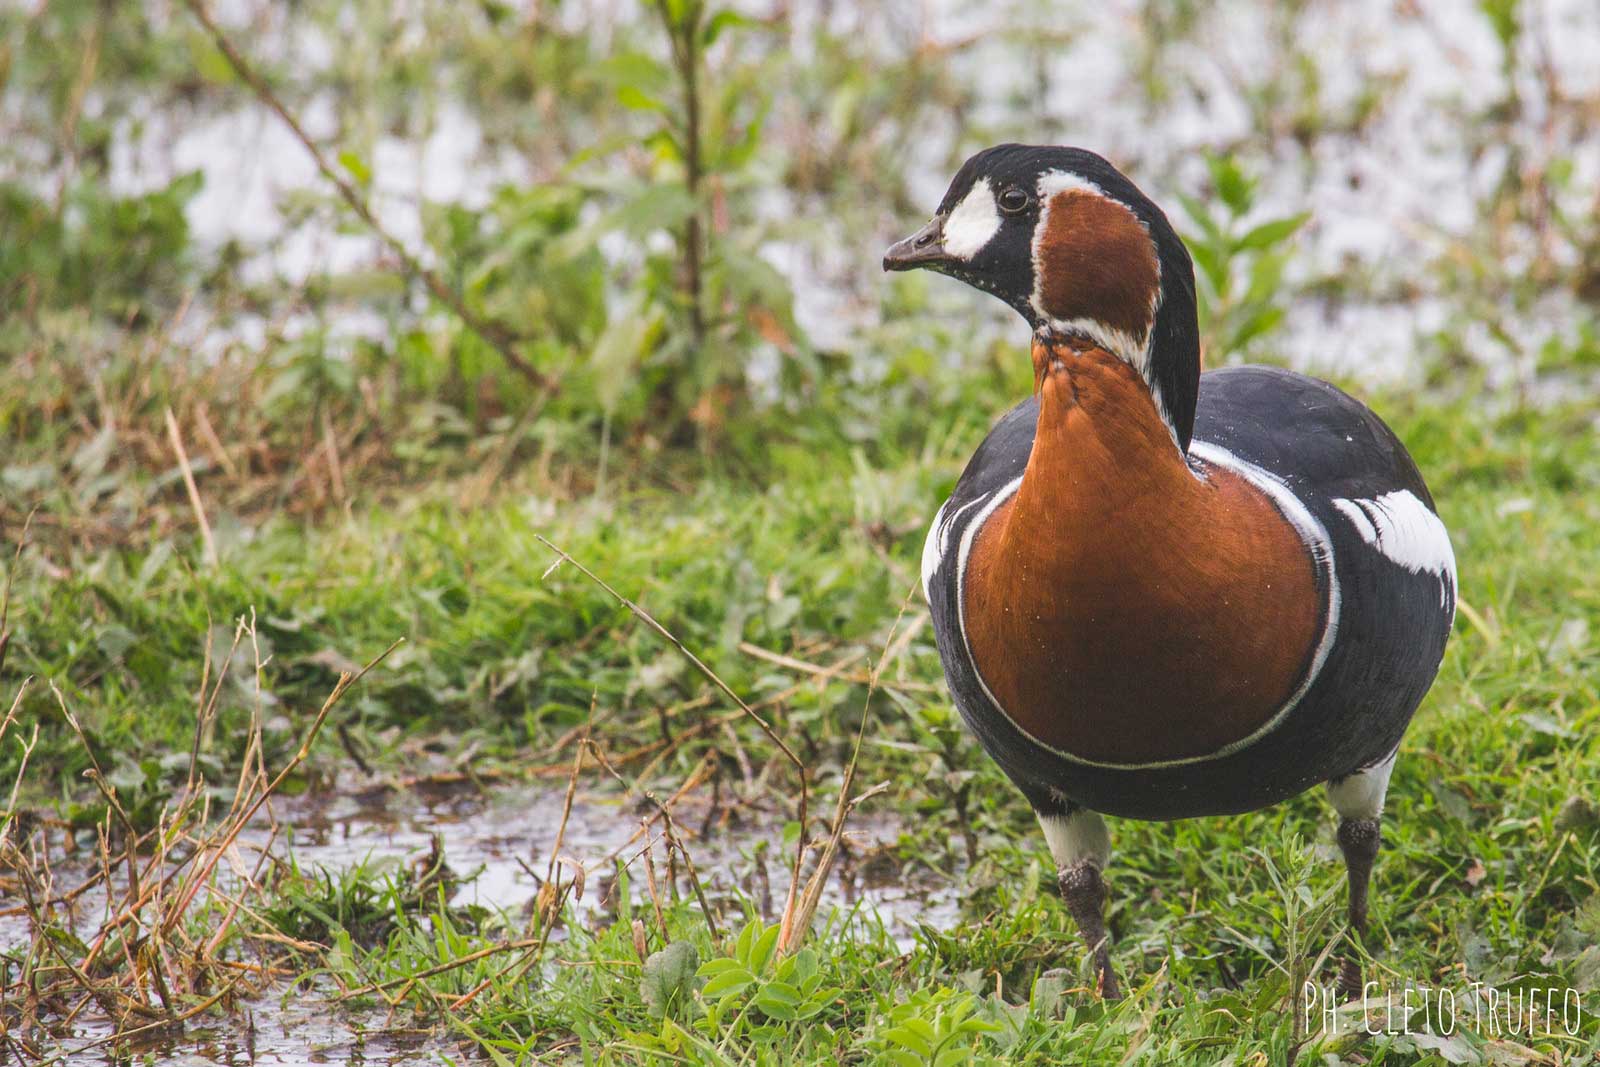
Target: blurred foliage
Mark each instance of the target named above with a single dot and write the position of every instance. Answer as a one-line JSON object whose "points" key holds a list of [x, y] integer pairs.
{"points": [[1238, 269], [637, 269], [676, 207], [107, 255]]}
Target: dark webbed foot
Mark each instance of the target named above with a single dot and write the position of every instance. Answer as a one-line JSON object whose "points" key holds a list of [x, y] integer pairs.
{"points": [[1085, 892]]}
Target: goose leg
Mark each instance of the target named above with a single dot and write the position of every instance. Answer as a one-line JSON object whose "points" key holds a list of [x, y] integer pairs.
{"points": [[1358, 798], [1080, 846]]}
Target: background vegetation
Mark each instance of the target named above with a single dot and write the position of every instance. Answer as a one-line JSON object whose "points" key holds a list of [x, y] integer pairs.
{"points": [[607, 273]]}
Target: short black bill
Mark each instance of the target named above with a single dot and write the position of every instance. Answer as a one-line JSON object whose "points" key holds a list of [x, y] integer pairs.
{"points": [[921, 249]]}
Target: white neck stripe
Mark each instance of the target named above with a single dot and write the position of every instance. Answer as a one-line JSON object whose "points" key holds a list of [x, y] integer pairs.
{"points": [[1132, 350]]}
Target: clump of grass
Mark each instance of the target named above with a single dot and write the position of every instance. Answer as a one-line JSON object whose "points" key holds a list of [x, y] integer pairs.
{"points": [[179, 899], [1206, 928]]}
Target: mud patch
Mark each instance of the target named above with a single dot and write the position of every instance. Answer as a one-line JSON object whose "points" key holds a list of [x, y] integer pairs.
{"points": [[499, 843]]}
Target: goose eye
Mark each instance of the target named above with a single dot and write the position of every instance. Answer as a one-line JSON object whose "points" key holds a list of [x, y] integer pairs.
{"points": [[1013, 201]]}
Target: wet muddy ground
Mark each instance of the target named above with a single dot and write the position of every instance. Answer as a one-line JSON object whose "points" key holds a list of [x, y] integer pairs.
{"points": [[499, 842], [272, 1030]]}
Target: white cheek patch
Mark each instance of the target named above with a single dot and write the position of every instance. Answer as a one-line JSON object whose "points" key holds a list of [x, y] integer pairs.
{"points": [[973, 222]]}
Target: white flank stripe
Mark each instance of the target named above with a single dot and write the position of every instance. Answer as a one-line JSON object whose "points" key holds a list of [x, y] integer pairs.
{"points": [[965, 550], [1358, 519], [932, 551], [1402, 529], [938, 542], [972, 223]]}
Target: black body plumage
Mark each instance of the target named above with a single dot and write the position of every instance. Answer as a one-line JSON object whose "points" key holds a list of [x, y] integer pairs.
{"points": [[1390, 632]]}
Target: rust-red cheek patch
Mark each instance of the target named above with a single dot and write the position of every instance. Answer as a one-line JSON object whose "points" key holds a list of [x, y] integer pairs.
{"points": [[1096, 261]]}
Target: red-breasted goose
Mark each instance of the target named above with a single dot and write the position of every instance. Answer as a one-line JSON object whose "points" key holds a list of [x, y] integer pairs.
{"points": [[1161, 594]]}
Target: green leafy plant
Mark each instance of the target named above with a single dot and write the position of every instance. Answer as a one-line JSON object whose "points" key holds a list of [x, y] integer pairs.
{"points": [[670, 979], [752, 978], [714, 297], [934, 1028], [1240, 273]]}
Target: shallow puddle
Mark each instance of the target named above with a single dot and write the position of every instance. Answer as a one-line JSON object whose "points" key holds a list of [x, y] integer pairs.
{"points": [[269, 1031], [499, 842]]}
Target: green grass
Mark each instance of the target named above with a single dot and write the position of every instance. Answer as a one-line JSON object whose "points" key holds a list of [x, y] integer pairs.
{"points": [[364, 489], [1483, 878]]}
